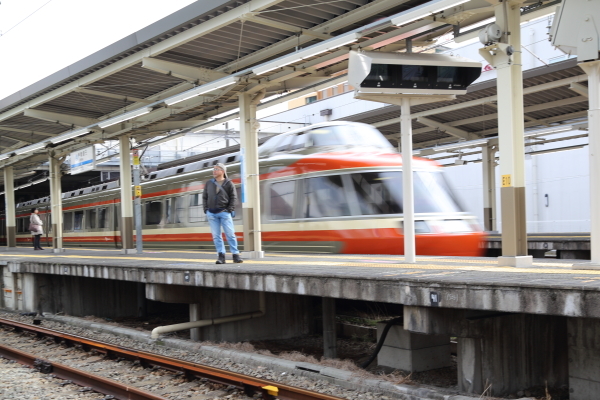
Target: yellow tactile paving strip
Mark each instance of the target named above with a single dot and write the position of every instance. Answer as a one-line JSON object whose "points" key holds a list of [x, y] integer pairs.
{"points": [[456, 264]]}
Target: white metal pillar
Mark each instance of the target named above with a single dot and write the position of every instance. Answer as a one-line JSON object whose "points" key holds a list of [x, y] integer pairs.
{"points": [[126, 196], [408, 206], [250, 176], [9, 200], [56, 211], [593, 70], [488, 163], [506, 58]]}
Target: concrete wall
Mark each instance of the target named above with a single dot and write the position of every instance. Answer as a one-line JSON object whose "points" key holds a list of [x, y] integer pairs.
{"points": [[584, 358], [503, 353], [286, 316], [78, 296]]}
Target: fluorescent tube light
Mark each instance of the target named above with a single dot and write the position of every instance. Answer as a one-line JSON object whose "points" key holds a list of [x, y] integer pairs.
{"points": [[30, 148], [209, 87], [425, 10], [124, 117], [311, 51], [461, 145], [450, 6], [69, 135]]}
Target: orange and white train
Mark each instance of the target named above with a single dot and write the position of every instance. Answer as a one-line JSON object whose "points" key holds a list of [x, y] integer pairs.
{"points": [[328, 188]]}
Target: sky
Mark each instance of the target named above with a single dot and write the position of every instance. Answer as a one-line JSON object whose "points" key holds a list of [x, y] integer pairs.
{"points": [[40, 37]]}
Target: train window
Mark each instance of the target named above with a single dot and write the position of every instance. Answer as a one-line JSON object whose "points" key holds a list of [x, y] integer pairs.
{"points": [[284, 143], [179, 170], [282, 200], [77, 220], [68, 221], [153, 212], [432, 193], [378, 192], [91, 219], [324, 197], [205, 165], [168, 205], [196, 210], [20, 224], [325, 136], [102, 217], [230, 159], [179, 210], [298, 142], [152, 176], [104, 187]]}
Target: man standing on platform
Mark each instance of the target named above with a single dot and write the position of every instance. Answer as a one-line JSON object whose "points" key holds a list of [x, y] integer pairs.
{"points": [[219, 206]]}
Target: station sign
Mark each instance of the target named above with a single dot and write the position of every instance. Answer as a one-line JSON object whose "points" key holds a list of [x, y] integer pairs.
{"points": [[371, 72], [83, 160]]}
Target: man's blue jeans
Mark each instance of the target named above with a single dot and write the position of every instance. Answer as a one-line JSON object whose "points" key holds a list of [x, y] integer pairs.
{"points": [[218, 220]]}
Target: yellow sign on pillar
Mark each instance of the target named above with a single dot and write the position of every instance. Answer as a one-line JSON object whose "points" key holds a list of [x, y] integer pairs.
{"points": [[138, 191], [506, 181], [136, 157]]}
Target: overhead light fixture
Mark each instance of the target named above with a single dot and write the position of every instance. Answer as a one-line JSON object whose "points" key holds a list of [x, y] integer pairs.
{"points": [[30, 148], [209, 87], [69, 135], [548, 131], [4, 156], [425, 10], [461, 145], [124, 117], [308, 52]]}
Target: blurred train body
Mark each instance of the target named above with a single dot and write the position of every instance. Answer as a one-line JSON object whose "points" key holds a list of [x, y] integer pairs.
{"points": [[328, 188]]}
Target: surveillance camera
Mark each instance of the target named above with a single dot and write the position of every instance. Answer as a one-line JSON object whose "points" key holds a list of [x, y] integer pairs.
{"points": [[490, 34], [460, 162]]}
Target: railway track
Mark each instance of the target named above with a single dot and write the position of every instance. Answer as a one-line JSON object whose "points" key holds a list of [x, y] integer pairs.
{"points": [[128, 368]]}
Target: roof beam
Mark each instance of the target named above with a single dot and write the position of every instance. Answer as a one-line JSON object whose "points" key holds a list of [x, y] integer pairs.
{"points": [[195, 74], [578, 88], [459, 133], [64, 119], [286, 27], [112, 96]]}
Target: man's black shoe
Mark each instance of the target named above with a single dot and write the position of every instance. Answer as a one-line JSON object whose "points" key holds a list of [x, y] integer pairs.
{"points": [[221, 259], [237, 259]]}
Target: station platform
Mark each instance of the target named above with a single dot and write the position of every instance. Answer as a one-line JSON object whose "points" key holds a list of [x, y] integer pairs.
{"points": [[550, 286]]}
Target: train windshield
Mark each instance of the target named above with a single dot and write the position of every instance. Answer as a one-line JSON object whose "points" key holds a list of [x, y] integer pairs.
{"points": [[432, 194], [348, 135], [381, 193]]}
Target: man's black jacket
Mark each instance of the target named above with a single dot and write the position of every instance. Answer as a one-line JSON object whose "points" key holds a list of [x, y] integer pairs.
{"points": [[225, 199]]}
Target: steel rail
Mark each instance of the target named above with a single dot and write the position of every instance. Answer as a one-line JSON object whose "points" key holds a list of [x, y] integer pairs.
{"points": [[249, 384], [79, 377]]}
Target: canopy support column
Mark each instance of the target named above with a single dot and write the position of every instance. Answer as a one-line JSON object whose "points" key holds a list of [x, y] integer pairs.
{"points": [[56, 211], [9, 199], [592, 69], [488, 162], [506, 58], [408, 206], [126, 196], [250, 175]]}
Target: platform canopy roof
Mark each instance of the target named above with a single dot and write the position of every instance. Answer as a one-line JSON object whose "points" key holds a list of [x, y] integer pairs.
{"points": [[183, 72]]}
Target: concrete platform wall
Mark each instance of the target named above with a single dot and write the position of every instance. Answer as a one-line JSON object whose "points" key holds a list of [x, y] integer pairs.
{"points": [[503, 353], [584, 358], [71, 295], [286, 316]]}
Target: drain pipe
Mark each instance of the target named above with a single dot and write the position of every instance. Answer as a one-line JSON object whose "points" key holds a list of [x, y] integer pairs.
{"points": [[213, 321]]}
